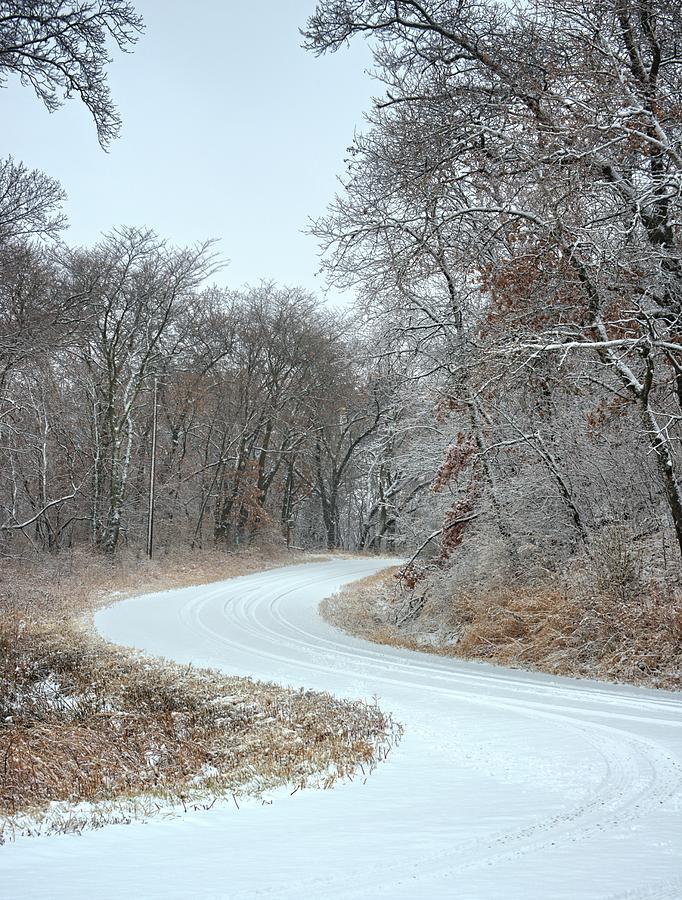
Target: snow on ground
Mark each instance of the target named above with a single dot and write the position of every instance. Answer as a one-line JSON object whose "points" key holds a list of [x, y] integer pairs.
{"points": [[507, 785]]}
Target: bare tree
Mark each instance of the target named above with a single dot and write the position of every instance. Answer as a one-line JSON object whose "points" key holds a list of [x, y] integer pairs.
{"points": [[30, 204], [135, 285], [60, 49]]}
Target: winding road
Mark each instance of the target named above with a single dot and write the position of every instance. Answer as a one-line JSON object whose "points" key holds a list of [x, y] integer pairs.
{"points": [[506, 786]]}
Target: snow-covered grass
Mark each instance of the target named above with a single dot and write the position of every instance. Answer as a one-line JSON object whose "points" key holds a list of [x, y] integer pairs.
{"points": [[92, 733], [583, 625]]}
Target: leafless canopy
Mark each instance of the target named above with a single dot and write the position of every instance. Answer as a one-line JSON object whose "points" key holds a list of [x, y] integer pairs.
{"points": [[61, 50]]}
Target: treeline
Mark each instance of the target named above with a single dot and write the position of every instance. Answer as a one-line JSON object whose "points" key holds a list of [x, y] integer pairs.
{"points": [[512, 380], [271, 422], [265, 406]]}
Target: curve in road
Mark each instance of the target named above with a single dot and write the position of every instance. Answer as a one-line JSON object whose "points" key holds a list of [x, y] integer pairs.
{"points": [[506, 785]]}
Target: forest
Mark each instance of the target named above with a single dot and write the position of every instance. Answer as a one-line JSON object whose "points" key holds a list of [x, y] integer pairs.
{"points": [[504, 400], [478, 459]]}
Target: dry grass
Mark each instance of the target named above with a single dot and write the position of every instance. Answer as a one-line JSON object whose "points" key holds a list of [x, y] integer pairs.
{"points": [[581, 627], [84, 722], [70, 583]]}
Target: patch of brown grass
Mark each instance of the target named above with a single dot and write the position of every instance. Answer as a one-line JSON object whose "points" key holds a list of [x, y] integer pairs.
{"points": [[72, 582], [82, 721], [578, 628]]}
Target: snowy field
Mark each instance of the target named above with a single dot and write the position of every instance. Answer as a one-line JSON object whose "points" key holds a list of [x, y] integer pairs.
{"points": [[506, 786]]}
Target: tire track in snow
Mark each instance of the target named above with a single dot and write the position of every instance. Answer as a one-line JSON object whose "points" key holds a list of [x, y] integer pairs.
{"points": [[638, 773], [507, 785]]}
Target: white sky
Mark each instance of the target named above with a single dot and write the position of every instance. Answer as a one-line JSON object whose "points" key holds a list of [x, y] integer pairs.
{"points": [[230, 131]]}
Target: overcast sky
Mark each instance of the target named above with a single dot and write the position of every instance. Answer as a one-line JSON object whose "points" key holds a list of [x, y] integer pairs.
{"points": [[230, 131]]}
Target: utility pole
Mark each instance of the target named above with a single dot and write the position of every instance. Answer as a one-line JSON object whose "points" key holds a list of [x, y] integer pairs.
{"points": [[152, 474]]}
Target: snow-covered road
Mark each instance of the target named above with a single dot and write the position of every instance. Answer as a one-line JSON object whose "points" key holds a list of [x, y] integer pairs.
{"points": [[506, 786]]}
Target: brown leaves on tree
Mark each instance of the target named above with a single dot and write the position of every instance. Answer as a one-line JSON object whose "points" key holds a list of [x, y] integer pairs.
{"points": [[604, 412], [456, 459], [518, 290], [410, 576], [457, 520]]}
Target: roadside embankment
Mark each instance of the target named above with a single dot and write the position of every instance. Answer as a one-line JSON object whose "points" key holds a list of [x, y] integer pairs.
{"points": [[91, 733], [613, 625]]}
